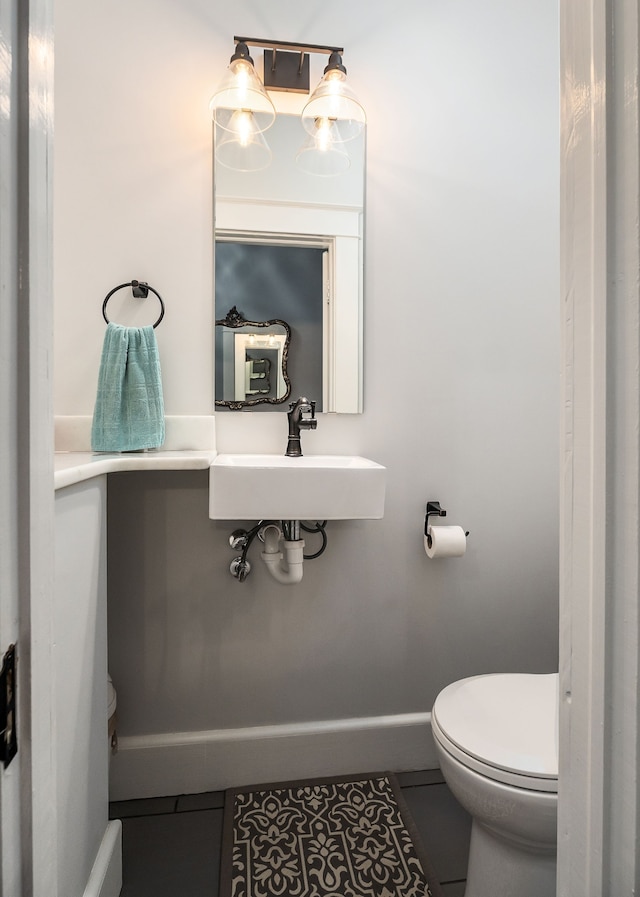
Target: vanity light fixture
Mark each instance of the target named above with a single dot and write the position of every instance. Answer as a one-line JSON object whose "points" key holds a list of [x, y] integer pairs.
{"points": [[243, 109]]}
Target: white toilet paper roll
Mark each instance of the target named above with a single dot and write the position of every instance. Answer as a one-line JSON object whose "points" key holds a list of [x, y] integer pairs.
{"points": [[446, 542]]}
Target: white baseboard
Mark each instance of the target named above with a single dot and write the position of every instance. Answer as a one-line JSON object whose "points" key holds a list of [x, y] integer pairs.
{"points": [[193, 762], [106, 875]]}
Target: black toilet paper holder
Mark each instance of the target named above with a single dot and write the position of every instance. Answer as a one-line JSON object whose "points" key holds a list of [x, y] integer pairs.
{"points": [[434, 510]]}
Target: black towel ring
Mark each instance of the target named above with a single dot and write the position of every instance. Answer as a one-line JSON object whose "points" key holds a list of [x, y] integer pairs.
{"points": [[140, 291]]}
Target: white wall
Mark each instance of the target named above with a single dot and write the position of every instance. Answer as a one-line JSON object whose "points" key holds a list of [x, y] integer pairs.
{"points": [[461, 354]]}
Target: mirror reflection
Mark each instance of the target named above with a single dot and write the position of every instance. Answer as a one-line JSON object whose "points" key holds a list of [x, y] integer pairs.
{"points": [[317, 289], [275, 281], [251, 361]]}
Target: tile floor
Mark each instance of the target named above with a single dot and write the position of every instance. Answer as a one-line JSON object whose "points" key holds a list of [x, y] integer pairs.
{"points": [[171, 845]]}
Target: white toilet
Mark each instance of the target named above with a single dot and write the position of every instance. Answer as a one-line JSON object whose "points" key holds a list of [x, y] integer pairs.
{"points": [[497, 740]]}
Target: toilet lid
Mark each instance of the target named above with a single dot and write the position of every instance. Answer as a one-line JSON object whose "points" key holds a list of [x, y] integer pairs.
{"points": [[508, 721]]}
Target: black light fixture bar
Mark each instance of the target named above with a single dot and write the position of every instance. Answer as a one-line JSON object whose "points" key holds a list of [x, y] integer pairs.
{"points": [[288, 45], [286, 71], [286, 64]]}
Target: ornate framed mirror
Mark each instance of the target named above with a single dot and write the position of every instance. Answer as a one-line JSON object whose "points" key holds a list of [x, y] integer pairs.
{"points": [[251, 361]]}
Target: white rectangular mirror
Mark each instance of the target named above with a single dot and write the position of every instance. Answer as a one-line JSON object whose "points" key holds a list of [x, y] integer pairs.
{"points": [[283, 206]]}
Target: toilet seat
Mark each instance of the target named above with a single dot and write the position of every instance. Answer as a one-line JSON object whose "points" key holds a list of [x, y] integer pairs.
{"points": [[503, 726]]}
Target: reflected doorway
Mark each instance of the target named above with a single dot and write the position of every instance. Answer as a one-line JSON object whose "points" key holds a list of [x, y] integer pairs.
{"points": [[267, 280]]}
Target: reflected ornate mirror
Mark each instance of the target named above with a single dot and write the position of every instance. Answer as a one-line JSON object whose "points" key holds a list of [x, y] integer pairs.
{"points": [[319, 219], [251, 361]]}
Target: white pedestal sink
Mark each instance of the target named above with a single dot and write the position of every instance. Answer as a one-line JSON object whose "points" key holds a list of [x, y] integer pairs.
{"points": [[313, 487]]}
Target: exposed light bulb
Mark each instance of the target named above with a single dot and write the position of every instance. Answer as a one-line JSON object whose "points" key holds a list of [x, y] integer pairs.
{"points": [[242, 71], [244, 126], [334, 75], [335, 81], [324, 134]]}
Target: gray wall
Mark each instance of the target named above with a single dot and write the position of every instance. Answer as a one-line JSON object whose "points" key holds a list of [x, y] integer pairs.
{"points": [[461, 355]]}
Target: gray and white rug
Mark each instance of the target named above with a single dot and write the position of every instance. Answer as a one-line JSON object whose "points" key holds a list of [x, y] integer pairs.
{"points": [[323, 838]]}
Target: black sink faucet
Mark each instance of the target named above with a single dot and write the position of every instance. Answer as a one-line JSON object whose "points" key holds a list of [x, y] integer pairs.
{"points": [[297, 422]]}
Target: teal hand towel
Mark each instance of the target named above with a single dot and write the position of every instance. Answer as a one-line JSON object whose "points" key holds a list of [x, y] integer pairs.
{"points": [[129, 411]]}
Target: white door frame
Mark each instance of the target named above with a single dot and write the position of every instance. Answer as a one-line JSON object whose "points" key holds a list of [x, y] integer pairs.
{"points": [[600, 521], [600, 189], [28, 811]]}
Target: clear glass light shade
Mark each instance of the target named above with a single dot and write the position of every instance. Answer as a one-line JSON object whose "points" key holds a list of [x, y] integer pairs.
{"points": [[333, 99], [322, 153], [242, 89], [242, 146]]}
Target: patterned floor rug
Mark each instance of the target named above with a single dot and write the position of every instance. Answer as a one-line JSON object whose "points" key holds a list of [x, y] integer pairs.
{"points": [[323, 838]]}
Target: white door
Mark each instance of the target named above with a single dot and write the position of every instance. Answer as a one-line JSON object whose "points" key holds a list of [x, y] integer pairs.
{"points": [[10, 878], [27, 833]]}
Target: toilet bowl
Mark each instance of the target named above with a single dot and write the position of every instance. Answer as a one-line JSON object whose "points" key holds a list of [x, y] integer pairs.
{"points": [[497, 740]]}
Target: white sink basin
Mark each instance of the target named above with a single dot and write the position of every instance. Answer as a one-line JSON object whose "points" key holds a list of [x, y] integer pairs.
{"points": [[313, 487]]}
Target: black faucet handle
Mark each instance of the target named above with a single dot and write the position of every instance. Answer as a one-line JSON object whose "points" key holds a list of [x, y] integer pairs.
{"points": [[303, 401]]}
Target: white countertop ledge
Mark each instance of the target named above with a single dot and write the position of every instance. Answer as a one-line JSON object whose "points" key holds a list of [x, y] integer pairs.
{"points": [[74, 467]]}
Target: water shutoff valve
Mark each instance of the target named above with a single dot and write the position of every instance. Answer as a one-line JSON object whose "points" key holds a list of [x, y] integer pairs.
{"points": [[239, 539], [240, 568]]}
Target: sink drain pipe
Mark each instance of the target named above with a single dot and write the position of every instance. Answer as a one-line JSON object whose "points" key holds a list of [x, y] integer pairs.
{"points": [[285, 566]]}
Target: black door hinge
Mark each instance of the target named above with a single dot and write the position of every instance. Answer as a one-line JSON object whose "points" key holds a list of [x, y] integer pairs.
{"points": [[8, 727]]}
